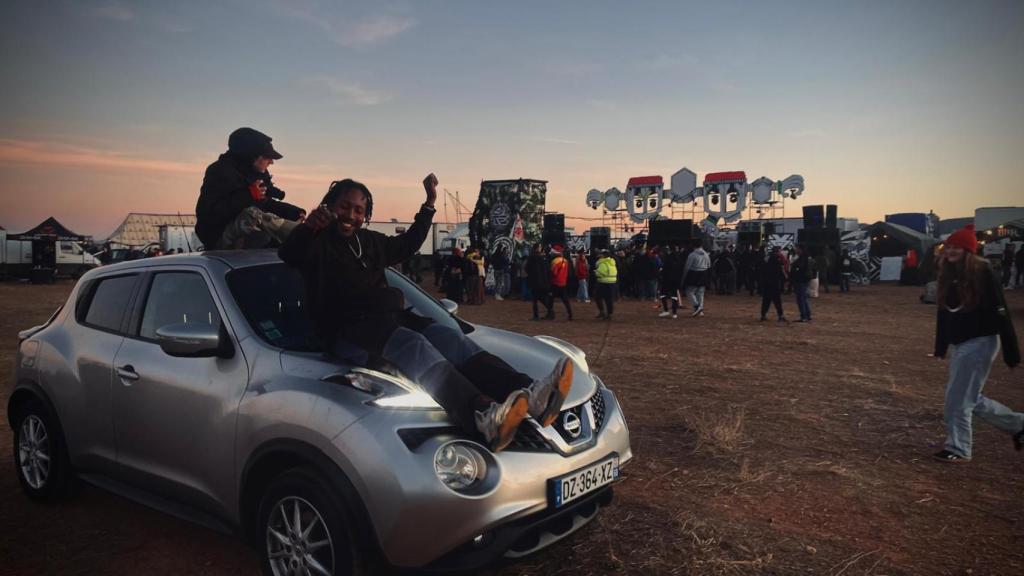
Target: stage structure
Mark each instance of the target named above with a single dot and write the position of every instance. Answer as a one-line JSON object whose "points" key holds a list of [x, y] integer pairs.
{"points": [[509, 214], [721, 199]]}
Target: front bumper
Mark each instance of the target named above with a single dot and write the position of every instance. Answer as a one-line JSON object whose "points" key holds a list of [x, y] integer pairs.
{"points": [[420, 523]]}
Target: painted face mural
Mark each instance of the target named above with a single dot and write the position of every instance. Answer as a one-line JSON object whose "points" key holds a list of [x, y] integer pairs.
{"points": [[594, 198], [644, 197], [725, 195]]}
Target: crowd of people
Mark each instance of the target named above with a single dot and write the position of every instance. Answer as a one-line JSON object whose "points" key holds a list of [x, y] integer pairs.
{"points": [[674, 275]]}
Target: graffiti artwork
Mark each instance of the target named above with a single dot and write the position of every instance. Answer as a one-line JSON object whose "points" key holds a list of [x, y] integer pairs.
{"points": [[508, 213]]}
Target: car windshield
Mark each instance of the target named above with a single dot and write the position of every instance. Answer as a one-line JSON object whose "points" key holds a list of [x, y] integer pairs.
{"points": [[272, 298]]}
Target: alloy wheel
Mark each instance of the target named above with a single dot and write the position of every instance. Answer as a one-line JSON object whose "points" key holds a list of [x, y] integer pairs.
{"points": [[298, 541], [34, 452]]}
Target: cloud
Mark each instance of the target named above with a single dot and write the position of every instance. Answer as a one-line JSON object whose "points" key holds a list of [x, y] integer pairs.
{"points": [[353, 33], [22, 152], [373, 30], [352, 92], [601, 104], [115, 11]]}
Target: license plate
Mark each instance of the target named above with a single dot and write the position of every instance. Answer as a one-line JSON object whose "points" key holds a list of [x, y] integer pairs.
{"points": [[584, 481]]}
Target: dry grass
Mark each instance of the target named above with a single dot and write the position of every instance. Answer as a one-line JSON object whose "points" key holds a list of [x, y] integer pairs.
{"points": [[718, 432]]}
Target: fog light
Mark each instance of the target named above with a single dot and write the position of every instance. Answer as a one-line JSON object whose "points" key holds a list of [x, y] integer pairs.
{"points": [[459, 466]]}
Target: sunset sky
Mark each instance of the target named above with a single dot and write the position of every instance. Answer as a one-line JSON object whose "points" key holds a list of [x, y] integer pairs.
{"points": [[116, 107]]}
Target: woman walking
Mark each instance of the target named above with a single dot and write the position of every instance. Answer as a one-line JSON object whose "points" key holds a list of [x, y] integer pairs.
{"points": [[973, 318]]}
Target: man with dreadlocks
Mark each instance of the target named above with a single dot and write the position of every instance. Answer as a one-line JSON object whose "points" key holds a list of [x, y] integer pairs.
{"points": [[357, 316]]}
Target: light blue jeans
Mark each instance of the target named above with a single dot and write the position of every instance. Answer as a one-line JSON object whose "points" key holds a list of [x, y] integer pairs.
{"points": [[968, 370], [582, 294]]}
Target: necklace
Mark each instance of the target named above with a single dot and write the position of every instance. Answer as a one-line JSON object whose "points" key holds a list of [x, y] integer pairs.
{"points": [[358, 254]]}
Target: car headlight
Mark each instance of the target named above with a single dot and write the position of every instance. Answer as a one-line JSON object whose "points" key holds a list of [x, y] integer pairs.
{"points": [[391, 391], [459, 465], [408, 401]]}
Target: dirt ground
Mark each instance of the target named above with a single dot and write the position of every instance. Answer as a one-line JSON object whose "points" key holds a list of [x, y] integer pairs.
{"points": [[761, 448]]}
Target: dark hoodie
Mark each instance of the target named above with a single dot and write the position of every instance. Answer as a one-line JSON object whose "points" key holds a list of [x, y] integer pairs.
{"points": [[225, 191]]}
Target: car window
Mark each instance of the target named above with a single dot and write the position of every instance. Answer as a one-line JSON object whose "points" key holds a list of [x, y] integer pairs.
{"points": [[109, 302], [272, 298], [177, 298]]}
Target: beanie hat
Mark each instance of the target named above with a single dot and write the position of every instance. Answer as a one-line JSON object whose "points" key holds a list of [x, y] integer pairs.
{"points": [[964, 238]]}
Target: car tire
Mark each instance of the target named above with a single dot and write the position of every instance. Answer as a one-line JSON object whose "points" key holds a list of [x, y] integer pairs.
{"points": [[40, 454], [328, 538]]}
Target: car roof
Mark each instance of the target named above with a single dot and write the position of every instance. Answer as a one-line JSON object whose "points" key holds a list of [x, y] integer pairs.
{"points": [[232, 258]]}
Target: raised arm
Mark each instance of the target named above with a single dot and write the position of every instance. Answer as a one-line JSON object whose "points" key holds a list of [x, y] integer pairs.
{"points": [[400, 247]]}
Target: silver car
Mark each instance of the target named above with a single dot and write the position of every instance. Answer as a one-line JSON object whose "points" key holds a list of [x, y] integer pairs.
{"points": [[189, 383]]}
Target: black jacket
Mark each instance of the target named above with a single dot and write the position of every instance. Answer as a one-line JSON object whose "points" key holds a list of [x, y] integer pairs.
{"points": [[538, 273], [990, 316], [802, 270], [771, 273], [672, 271], [349, 297], [225, 193]]}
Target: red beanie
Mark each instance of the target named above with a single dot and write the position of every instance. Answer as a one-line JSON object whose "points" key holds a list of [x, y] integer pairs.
{"points": [[965, 239]]}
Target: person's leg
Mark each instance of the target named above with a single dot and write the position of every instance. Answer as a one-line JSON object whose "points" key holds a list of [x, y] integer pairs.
{"points": [[549, 303], [536, 313], [691, 292], [777, 300], [700, 297], [969, 366], [765, 303], [490, 374], [610, 299], [801, 296], [421, 362]]}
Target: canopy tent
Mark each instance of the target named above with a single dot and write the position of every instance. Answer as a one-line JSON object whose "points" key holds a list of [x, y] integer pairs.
{"points": [[893, 240], [143, 229], [50, 229]]}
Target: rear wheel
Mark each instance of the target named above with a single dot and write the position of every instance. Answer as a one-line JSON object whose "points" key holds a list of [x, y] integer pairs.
{"points": [[303, 529], [40, 455]]}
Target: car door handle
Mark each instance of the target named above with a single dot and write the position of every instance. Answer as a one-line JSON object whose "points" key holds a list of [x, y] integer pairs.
{"points": [[127, 372]]}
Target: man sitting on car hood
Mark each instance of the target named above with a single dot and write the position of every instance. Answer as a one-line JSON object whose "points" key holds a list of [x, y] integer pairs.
{"points": [[351, 304]]}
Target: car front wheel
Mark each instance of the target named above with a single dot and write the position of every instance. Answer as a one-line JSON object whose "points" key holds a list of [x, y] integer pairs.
{"points": [[303, 530], [40, 456]]}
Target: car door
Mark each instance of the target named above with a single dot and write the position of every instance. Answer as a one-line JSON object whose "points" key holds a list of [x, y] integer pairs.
{"points": [[174, 418], [82, 391]]}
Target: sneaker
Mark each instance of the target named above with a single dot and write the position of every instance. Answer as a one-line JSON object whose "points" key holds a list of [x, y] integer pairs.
{"points": [[782, 319], [763, 319], [498, 297], [599, 316], [664, 314], [548, 393], [949, 457], [701, 314], [696, 311], [535, 319], [675, 316], [1018, 440], [498, 424]]}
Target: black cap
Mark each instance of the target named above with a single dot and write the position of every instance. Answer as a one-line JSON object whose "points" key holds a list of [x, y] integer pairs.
{"points": [[252, 143]]}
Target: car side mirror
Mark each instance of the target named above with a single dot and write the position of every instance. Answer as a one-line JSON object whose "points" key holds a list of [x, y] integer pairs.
{"points": [[451, 306], [194, 341]]}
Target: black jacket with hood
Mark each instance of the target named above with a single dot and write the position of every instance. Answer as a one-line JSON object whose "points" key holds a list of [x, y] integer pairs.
{"points": [[225, 191]]}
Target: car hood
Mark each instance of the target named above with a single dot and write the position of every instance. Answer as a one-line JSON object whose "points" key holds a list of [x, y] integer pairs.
{"points": [[535, 357]]}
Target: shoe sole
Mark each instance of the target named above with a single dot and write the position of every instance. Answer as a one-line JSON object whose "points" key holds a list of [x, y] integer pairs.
{"points": [[507, 431], [560, 394], [948, 461]]}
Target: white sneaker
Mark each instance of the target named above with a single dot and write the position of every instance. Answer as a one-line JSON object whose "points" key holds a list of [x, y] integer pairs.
{"points": [[696, 312], [498, 424], [664, 314], [548, 393], [675, 316], [498, 297]]}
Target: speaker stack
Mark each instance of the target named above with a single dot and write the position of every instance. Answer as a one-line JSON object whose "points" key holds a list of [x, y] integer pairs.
{"points": [[831, 216], [750, 233], [670, 233], [600, 237], [814, 216], [554, 229]]}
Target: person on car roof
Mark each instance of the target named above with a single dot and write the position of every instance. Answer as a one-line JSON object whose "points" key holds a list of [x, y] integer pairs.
{"points": [[239, 206], [358, 316]]}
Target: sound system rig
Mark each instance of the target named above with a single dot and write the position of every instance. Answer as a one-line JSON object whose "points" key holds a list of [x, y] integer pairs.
{"points": [[820, 229], [670, 233], [751, 233], [600, 238], [554, 230]]}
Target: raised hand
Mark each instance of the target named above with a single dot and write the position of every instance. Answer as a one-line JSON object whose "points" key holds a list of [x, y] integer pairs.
{"points": [[430, 186], [319, 218]]}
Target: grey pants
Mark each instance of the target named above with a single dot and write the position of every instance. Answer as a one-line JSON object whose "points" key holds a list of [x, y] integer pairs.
{"points": [[969, 366], [254, 228]]}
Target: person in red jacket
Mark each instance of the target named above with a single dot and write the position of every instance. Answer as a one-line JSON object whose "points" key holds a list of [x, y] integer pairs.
{"points": [[582, 267], [560, 279]]}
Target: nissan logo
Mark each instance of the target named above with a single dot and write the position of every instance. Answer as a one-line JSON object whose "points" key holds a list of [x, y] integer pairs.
{"points": [[571, 424]]}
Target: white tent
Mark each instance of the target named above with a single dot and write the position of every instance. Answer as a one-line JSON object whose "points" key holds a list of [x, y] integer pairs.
{"points": [[142, 229]]}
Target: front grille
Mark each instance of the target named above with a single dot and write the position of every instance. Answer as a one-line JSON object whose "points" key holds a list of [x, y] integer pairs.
{"points": [[528, 439], [597, 406]]}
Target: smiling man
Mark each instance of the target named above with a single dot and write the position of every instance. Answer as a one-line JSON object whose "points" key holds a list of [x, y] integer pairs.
{"points": [[357, 316]]}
